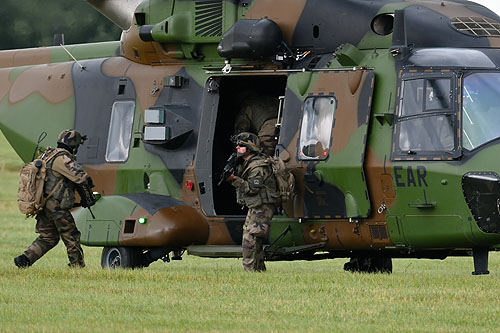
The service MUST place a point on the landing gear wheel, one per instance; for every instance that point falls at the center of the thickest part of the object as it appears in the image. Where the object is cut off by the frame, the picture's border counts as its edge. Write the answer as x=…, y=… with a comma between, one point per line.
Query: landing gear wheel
x=121, y=257
x=369, y=265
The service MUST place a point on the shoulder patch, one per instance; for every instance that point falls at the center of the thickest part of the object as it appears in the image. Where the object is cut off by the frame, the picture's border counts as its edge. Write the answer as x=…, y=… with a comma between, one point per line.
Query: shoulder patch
x=256, y=182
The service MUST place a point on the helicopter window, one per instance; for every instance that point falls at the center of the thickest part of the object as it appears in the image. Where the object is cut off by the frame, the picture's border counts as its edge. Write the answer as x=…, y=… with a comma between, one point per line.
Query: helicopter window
x=316, y=130
x=425, y=95
x=426, y=121
x=120, y=131
x=427, y=134
x=481, y=109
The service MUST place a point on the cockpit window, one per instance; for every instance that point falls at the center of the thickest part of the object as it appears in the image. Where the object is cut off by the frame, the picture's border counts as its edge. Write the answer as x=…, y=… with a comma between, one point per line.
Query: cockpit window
x=481, y=109
x=426, y=119
x=316, y=130
x=421, y=96
x=433, y=133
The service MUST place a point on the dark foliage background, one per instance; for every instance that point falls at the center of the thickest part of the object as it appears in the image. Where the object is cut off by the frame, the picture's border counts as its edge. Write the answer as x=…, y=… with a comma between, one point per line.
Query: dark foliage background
x=33, y=23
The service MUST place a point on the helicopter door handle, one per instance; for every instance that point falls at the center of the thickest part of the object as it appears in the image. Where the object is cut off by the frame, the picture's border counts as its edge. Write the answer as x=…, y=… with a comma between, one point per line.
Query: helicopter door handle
x=423, y=205
x=319, y=176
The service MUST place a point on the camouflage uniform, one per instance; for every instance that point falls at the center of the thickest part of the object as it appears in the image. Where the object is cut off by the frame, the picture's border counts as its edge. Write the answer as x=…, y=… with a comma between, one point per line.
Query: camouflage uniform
x=56, y=221
x=258, y=114
x=255, y=188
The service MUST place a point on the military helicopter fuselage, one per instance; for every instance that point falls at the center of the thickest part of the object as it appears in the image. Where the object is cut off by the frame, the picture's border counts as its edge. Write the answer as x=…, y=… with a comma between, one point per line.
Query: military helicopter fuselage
x=389, y=121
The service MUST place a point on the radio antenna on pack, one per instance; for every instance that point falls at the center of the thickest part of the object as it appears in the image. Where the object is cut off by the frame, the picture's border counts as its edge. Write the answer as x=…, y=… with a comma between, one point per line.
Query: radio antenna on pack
x=42, y=136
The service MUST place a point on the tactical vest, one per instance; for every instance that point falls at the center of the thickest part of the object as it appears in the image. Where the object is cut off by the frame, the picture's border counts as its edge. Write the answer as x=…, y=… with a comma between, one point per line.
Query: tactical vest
x=65, y=193
x=267, y=193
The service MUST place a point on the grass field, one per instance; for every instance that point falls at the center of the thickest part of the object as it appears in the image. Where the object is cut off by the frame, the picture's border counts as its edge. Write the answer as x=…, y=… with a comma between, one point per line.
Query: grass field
x=216, y=295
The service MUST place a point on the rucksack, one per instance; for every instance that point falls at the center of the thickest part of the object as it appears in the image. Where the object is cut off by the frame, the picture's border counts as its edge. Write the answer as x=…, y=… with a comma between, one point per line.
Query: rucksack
x=30, y=198
x=285, y=181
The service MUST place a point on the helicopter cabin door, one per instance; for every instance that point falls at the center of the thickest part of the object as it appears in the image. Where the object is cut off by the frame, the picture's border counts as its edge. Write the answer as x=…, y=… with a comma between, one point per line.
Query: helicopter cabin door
x=323, y=139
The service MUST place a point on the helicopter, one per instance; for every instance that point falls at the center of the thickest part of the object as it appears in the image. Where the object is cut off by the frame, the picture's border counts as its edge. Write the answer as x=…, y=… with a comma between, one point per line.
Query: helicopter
x=389, y=120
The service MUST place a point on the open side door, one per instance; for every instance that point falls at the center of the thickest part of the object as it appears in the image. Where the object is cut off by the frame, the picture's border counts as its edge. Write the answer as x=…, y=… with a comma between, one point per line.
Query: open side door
x=323, y=140
x=203, y=157
x=222, y=100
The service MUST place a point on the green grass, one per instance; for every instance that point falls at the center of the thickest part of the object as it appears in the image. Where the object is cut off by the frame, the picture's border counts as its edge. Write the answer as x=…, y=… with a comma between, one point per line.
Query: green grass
x=198, y=294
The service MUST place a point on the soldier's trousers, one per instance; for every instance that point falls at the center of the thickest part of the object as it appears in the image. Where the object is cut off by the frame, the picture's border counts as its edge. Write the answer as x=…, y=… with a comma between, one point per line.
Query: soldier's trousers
x=255, y=234
x=52, y=225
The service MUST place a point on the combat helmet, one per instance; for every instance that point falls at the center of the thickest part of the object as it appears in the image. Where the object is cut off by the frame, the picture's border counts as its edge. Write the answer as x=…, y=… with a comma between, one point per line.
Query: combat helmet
x=248, y=140
x=71, y=138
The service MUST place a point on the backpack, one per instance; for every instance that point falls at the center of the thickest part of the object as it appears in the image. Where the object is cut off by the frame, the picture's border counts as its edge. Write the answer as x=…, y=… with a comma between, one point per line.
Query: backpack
x=285, y=181
x=30, y=198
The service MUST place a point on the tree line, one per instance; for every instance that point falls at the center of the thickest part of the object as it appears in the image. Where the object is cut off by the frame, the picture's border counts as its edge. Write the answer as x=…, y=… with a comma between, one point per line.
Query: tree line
x=33, y=23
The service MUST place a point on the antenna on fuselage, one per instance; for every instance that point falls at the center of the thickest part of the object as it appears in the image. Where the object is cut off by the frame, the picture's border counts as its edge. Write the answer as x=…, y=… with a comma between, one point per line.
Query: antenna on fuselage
x=79, y=64
x=58, y=39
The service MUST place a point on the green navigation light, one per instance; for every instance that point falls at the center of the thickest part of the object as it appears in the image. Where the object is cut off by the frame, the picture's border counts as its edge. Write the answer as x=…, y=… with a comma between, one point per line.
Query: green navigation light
x=142, y=220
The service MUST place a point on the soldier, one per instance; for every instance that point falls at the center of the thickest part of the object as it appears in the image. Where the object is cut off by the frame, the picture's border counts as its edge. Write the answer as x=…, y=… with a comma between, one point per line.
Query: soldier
x=255, y=188
x=56, y=221
x=258, y=114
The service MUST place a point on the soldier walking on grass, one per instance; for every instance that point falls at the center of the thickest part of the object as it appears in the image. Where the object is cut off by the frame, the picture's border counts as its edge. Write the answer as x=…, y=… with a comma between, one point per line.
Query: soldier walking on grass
x=256, y=189
x=55, y=220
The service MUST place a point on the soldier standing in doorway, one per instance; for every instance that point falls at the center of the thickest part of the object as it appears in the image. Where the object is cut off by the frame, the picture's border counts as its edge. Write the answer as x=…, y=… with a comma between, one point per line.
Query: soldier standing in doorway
x=258, y=114
x=55, y=220
x=256, y=189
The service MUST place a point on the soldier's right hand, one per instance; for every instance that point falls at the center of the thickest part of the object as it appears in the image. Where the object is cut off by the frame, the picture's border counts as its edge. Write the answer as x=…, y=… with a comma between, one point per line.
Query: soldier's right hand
x=90, y=182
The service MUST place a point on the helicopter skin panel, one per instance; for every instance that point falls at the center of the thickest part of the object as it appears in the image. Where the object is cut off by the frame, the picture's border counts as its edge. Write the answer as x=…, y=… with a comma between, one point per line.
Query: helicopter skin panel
x=176, y=226
x=273, y=9
x=121, y=220
x=52, y=82
x=5, y=83
x=31, y=90
x=53, y=54
x=15, y=58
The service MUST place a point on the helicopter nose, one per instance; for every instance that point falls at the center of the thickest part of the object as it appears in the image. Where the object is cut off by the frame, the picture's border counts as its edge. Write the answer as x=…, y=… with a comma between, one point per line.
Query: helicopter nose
x=482, y=194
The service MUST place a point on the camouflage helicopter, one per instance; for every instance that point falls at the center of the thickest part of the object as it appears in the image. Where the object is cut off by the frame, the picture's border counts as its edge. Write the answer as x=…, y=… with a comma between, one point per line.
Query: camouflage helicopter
x=389, y=120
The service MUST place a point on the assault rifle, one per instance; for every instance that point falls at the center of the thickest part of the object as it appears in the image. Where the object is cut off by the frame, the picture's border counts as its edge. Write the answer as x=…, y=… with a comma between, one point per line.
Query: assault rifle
x=88, y=198
x=228, y=168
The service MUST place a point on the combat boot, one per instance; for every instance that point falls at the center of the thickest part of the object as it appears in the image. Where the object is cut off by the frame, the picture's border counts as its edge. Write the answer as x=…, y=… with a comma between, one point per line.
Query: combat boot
x=78, y=264
x=22, y=261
